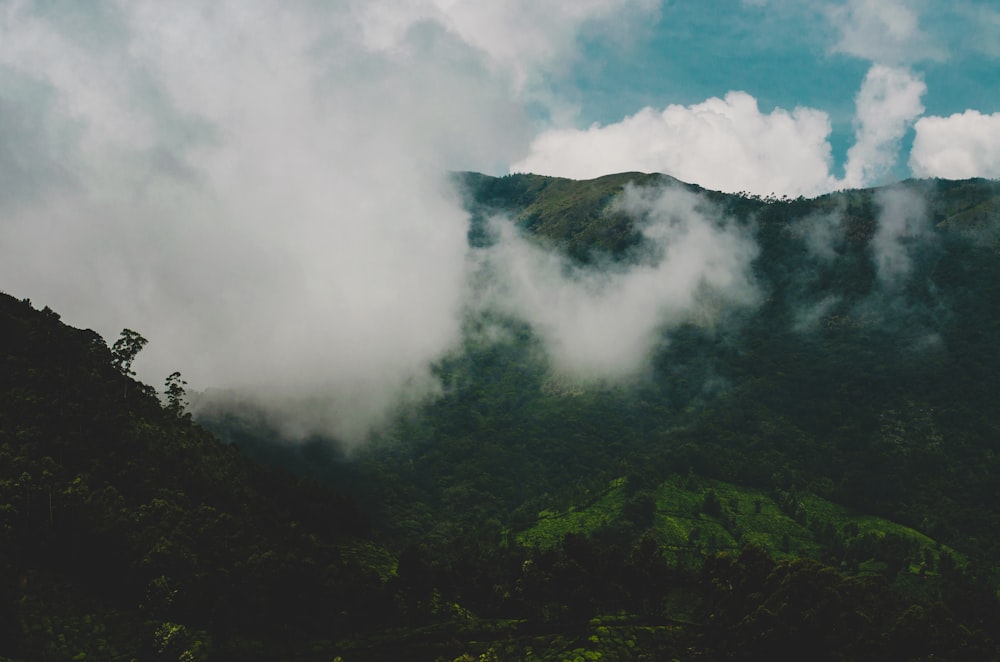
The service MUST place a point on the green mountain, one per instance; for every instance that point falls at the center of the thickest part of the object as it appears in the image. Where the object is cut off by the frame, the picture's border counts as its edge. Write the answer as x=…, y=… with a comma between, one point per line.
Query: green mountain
x=873, y=396
x=809, y=473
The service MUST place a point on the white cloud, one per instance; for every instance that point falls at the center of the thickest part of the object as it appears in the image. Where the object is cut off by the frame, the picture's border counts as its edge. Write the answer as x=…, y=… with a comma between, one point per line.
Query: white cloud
x=526, y=32
x=603, y=324
x=884, y=31
x=723, y=144
x=887, y=104
x=256, y=187
x=729, y=145
x=957, y=147
x=521, y=38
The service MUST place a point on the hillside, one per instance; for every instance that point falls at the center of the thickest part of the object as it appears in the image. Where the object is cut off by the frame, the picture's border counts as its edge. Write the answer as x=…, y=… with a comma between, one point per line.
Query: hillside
x=851, y=401
x=872, y=394
x=804, y=471
x=127, y=531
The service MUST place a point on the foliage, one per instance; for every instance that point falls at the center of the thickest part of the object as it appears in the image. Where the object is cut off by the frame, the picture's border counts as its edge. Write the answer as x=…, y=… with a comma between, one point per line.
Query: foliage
x=125, y=349
x=126, y=531
x=174, y=390
x=778, y=486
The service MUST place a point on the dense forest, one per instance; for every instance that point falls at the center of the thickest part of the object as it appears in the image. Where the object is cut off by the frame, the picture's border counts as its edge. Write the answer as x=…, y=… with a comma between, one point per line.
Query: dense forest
x=809, y=475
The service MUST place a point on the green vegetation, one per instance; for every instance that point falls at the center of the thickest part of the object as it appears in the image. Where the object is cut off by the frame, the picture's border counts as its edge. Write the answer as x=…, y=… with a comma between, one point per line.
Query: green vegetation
x=128, y=532
x=692, y=518
x=771, y=489
x=572, y=215
x=553, y=527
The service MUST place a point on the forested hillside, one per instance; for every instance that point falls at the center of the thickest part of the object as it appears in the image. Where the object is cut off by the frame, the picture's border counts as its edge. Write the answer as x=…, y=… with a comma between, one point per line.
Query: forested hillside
x=871, y=392
x=844, y=416
x=802, y=465
x=127, y=532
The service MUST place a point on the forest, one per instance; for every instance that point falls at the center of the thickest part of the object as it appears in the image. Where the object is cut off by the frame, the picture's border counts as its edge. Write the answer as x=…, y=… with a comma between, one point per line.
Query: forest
x=806, y=469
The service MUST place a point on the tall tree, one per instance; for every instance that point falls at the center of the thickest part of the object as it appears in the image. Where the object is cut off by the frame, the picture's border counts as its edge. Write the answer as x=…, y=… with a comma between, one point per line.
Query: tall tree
x=174, y=386
x=124, y=351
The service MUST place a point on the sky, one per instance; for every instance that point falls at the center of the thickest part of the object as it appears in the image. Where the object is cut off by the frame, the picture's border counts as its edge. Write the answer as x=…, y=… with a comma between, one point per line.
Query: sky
x=258, y=187
x=778, y=96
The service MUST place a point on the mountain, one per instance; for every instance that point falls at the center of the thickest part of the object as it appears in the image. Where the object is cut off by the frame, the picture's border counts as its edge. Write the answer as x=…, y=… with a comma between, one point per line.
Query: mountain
x=799, y=464
x=869, y=388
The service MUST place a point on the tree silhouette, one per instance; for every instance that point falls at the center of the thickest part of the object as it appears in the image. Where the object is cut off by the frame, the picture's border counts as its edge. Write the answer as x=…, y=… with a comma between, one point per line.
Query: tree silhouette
x=174, y=386
x=124, y=351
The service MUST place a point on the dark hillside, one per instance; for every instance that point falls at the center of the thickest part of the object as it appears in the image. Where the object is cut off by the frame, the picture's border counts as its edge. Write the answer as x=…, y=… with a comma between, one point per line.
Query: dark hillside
x=812, y=476
x=126, y=531
x=872, y=392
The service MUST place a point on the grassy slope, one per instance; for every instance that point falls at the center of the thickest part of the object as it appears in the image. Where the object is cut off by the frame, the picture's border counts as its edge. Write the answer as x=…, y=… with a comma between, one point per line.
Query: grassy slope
x=748, y=516
x=573, y=215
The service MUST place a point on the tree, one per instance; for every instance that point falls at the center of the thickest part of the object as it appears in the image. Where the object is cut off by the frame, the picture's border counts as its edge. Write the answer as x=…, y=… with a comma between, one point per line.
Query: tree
x=124, y=351
x=174, y=386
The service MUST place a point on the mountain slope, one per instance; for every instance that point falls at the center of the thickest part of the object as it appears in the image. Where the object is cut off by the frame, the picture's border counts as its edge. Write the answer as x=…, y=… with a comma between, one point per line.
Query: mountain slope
x=850, y=402
x=864, y=373
x=873, y=393
x=127, y=531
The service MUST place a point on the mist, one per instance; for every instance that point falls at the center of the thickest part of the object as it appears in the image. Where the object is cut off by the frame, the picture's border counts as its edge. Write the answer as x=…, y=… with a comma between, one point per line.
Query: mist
x=901, y=295
x=902, y=223
x=603, y=322
x=259, y=188
x=823, y=232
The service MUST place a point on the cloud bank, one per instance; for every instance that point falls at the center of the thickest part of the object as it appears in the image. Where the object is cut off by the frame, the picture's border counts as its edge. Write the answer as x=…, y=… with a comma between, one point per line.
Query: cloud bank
x=729, y=145
x=722, y=144
x=258, y=187
x=960, y=146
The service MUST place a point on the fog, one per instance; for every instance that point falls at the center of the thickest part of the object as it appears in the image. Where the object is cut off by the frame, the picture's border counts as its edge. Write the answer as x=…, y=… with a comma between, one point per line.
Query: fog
x=602, y=323
x=823, y=232
x=902, y=223
x=259, y=188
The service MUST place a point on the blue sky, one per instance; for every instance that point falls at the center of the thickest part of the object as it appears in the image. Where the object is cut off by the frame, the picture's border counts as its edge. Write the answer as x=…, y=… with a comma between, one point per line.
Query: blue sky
x=695, y=51
x=259, y=186
x=788, y=54
x=783, y=56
